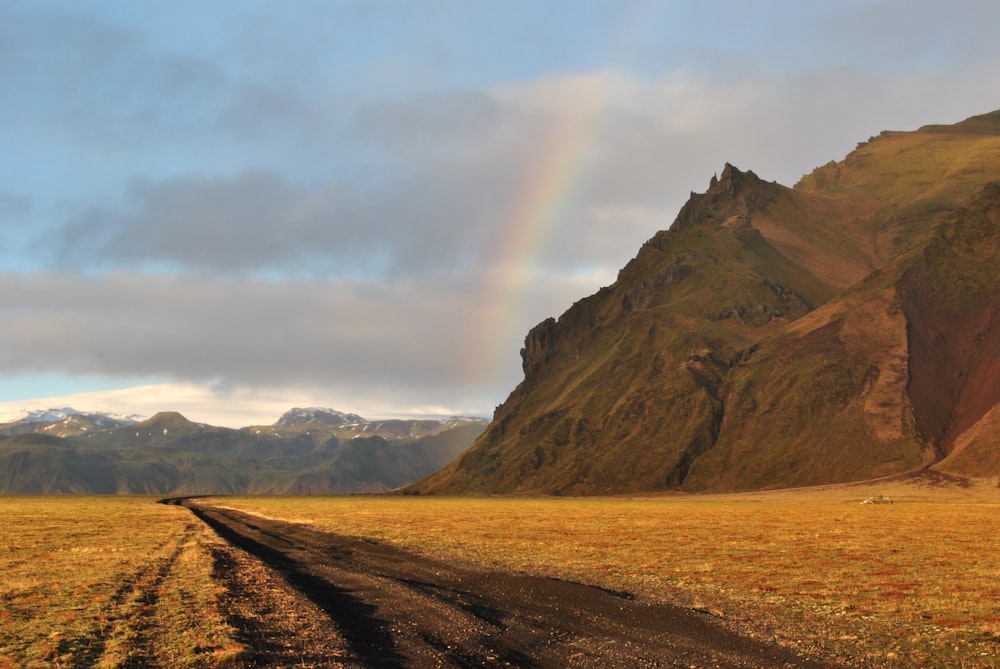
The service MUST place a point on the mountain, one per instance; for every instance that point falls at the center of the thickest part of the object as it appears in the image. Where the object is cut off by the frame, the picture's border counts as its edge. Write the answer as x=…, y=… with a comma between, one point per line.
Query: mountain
x=61, y=422
x=299, y=416
x=843, y=329
x=314, y=451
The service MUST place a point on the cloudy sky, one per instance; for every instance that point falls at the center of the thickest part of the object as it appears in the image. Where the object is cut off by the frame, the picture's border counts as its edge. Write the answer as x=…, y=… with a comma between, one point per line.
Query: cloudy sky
x=232, y=207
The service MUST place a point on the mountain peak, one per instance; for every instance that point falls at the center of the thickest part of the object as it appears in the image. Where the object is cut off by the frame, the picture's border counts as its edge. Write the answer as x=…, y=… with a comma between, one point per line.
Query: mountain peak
x=317, y=416
x=732, y=191
x=166, y=419
x=731, y=181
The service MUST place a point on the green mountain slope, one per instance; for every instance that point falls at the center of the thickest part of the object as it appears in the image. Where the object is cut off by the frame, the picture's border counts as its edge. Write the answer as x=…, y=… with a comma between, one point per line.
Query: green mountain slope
x=773, y=336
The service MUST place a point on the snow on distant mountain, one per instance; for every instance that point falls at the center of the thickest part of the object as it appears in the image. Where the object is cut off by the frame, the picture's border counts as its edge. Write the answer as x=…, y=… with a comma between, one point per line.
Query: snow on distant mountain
x=53, y=415
x=317, y=416
x=458, y=420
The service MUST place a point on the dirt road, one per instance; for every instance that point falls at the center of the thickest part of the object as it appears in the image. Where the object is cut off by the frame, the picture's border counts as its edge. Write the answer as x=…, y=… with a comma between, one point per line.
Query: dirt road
x=373, y=605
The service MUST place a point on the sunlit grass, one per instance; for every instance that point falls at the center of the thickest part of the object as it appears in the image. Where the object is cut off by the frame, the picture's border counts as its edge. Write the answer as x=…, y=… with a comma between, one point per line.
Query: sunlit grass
x=111, y=582
x=914, y=581
x=107, y=582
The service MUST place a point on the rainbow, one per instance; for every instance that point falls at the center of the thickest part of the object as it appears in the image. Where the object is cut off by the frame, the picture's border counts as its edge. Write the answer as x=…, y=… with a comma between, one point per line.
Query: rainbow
x=549, y=183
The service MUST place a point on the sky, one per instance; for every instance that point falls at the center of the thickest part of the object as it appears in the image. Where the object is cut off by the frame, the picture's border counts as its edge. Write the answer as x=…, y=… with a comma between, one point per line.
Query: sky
x=229, y=208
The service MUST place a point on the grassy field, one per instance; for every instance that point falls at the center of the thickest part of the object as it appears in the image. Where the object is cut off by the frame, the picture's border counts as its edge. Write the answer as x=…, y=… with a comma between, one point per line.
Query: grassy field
x=116, y=581
x=107, y=582
x=916, y=583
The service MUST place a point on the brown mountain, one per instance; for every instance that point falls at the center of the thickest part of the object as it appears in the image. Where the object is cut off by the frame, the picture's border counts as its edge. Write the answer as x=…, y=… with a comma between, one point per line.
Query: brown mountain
x=843, y=329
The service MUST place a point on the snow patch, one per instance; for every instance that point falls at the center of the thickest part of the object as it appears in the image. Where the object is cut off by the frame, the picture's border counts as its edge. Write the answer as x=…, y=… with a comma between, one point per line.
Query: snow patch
x=54, y=415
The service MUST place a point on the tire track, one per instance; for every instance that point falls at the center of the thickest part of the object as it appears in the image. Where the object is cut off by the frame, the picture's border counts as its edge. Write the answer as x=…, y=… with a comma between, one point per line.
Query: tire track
x=366, y=635
x=395, y=609
x=277, y=625
x=122, y=638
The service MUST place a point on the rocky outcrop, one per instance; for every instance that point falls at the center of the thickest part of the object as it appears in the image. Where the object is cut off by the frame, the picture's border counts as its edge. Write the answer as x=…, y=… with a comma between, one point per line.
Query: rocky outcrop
x=877, y=499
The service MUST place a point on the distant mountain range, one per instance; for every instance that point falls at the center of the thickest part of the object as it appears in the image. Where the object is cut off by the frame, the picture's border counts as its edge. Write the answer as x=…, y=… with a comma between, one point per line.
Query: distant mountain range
x=61, y=422
x=307, y=451
x=844, y=329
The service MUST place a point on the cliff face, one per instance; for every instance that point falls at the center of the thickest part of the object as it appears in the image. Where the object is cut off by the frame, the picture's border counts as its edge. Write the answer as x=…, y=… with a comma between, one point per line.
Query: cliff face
x=950, y=293
x=773, y=336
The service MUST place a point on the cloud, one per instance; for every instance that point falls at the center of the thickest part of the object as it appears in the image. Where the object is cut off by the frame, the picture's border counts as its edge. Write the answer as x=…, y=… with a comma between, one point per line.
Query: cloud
x=906, y=36
x=460, y=161
x=259, y=222
x=101, y=78
x=228, y=407
x=228, y=168
x=205, y=329
x=407, y=338
x=253, y=220
x=12, y=205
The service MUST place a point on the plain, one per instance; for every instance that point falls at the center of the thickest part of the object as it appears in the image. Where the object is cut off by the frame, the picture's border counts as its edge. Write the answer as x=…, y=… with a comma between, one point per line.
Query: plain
x=105, y=581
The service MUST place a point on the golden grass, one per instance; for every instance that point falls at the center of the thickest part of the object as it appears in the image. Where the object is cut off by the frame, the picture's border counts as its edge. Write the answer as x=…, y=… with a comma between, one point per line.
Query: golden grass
x=911, y=584
x=107, y=582
x=116, y=581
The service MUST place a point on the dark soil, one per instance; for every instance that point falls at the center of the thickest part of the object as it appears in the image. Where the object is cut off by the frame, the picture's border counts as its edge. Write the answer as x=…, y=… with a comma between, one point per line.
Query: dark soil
x=382, y=607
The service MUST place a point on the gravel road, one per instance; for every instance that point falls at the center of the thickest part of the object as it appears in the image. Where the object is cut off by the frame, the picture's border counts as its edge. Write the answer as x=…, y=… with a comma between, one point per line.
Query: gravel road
x=366, y=604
